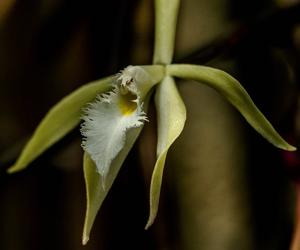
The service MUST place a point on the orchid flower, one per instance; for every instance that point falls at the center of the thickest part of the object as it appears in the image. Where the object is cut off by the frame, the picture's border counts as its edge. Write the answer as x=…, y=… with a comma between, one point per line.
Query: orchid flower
x=112, y=112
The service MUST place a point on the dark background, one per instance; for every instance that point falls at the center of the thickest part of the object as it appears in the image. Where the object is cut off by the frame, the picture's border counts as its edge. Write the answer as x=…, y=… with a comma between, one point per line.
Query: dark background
x=49, y=48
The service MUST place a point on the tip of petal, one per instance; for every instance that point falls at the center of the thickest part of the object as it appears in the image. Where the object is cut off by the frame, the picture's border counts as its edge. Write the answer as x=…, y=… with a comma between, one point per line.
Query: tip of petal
x=150, y=221
x=147, y=226
x=289, y=148
x=85, y=239
x=13, y=169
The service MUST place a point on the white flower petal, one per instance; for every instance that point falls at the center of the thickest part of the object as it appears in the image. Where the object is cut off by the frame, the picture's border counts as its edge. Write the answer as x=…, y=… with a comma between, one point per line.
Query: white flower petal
x=106, y=122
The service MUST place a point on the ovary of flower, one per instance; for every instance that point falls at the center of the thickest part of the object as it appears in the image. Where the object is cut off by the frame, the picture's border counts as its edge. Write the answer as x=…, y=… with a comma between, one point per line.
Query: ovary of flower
x=107, y=120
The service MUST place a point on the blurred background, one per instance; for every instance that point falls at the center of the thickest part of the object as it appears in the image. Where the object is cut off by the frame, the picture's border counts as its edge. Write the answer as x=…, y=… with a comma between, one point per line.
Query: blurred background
x=224, y=188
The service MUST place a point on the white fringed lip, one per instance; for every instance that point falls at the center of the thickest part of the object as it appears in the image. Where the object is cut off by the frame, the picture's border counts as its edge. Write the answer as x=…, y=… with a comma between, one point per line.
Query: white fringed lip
x=107, y=120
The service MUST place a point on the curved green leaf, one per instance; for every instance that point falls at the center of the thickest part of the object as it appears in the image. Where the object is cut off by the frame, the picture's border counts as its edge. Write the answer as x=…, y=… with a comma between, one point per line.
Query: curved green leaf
x=61, y=118
x=233, y=91
x=171, y=116
x=165, y=28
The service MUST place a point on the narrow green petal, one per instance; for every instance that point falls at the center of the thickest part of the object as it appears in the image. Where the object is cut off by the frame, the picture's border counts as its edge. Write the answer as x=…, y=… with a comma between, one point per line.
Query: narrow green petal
x=61, y=118
x=93, y=181
x=171, y=116
x=233, y=91
x=166, y=12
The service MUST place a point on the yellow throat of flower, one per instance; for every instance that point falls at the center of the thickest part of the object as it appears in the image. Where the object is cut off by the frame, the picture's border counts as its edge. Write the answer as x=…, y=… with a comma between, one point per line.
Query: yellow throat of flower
x=127, y=103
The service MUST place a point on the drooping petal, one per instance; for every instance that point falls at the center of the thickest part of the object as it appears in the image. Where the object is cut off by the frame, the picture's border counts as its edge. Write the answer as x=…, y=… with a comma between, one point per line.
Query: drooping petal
x=111, y=126
x=171, y=116
x=107, y=120
x=106, y=123
x=233, y=91
x=61, y=119
x=94, y=181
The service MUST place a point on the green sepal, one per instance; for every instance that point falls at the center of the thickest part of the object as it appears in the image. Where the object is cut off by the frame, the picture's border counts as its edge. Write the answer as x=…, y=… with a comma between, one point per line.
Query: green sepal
x=166, y=12
x=171, y=116
x=233, y=91
x=60, y=119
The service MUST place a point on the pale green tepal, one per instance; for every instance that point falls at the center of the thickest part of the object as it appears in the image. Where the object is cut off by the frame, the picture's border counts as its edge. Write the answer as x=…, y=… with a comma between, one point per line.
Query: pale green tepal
x=113, y=111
